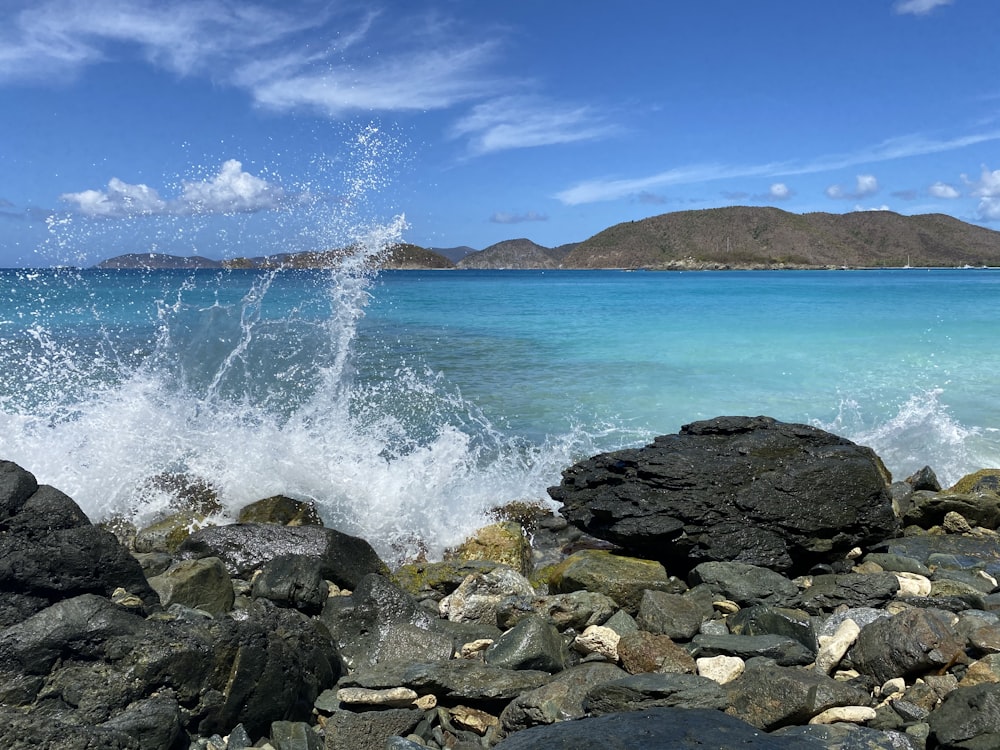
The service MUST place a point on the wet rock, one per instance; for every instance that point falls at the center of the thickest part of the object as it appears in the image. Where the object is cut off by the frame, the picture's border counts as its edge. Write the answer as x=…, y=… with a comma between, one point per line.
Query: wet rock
x=641, y=651
x=924, y=479
x=534, y=643
x=833, y=647
x=369, y=730
x=202, y=584
x=155, y=723
x=979, y=482
x=747, y=585
x=281, y=510
x=577, y=610
x=435, y=580
x=968, y=718
x=847, y=737
x=624, y=579
x=768, y=696
x=561, y=699
x=293, y=581
x=907, y=645
x=344, y=559
x=898, y=563
x=407, y=642
x=169, y=532
x=504, y=543
x=753, y=490
x=457, y=679
x=50, y=551
x=675, y=728
x=929, y=509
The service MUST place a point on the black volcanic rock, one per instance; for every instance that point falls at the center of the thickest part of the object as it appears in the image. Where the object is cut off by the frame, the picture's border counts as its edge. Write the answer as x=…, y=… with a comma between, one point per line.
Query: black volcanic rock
x=743, y=489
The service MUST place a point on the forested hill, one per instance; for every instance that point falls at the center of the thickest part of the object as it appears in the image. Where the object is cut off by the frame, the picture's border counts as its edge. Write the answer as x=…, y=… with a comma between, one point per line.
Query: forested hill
x=734, y=237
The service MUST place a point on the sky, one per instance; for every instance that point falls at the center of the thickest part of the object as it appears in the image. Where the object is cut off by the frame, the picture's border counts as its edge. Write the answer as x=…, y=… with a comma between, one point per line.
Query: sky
x=231, y=128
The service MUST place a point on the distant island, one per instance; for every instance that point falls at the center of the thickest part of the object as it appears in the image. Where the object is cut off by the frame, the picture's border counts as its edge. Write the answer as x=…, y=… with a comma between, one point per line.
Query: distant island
x=737, y=237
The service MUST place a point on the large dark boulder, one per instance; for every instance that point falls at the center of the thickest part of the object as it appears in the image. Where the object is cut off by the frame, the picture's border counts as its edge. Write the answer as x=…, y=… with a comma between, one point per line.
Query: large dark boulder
x=744, y=489
x=50, y=551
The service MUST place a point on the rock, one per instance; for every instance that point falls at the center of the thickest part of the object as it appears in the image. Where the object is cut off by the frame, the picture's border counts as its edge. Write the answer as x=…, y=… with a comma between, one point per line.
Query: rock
x=167, y=533
x=979, y=482
x=295, y=735
x=828, y=592
x=534, y=643
x=647, y=652
x=841, y=736
x=721, y=669
x=360, y=622
x=49, y=551
x=435, y=580
x=457, y=680
x=678, y=616
x=624, y=579
x=280, y=510
x=832, y=648
x=404, y=641
x=398, y=697
x=747, y=585
x=154, y=723
x=924, y=479
x=898, y=563
x=503, y=543
x=852, y=714
x=982, y=671
x=784, y=651
x=577, y=610
x=293, y=581
x=764, y=620
x=907, y=645
x=345, y=559
x=479, y=596
x=674, y=728
x=911, y=584
x=202, y=584
x=598, y=639
x=753, y=490
x=651, y=690
x=969, y=717
x=561, y=699
x=369, y=730
x=768, y=696
x=929, y=509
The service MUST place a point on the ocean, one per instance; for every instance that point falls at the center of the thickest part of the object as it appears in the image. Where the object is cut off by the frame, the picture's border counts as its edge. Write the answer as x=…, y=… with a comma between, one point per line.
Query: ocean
x=407, y=404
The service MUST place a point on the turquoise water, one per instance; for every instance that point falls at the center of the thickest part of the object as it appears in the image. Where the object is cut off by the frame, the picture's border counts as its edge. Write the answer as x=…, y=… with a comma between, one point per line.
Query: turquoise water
x=407, y=403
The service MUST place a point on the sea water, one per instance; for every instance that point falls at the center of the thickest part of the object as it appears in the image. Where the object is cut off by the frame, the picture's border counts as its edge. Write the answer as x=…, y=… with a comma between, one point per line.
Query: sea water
x=407, y=404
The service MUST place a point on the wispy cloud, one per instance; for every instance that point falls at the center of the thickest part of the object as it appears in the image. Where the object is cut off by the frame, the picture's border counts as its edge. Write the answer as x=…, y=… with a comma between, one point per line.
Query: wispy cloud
x=309, y=58
x=592, y=191
x=503, y=217
x=866, y=185
x=522, y=122
x=919, y=7
x=230, y=191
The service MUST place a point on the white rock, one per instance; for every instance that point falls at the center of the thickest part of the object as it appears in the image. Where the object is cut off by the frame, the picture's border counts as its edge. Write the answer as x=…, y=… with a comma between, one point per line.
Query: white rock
x=852, y=714
x=397, y=696
x=597, y=639
x=913, y=584
x=722, y=669
x=833, y=648
x=893, y=686
x=477, y=597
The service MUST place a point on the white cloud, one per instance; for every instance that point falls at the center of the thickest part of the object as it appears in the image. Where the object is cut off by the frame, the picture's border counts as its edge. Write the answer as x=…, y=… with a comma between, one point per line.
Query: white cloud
x=503, y=217
x=230, y=191
x=987, y=189
x=523, y=122
x=866, y=185
x=605, y=189
x=919, y=7
x=779, y=191
x=883, y=207
x=942, y=190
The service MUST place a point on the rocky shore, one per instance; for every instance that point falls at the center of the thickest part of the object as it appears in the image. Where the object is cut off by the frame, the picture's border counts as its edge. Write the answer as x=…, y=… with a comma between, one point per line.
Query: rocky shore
x=744, y=583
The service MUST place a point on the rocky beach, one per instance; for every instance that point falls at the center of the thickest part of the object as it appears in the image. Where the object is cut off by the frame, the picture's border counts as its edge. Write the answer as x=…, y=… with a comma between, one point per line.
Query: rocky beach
x=742, y=583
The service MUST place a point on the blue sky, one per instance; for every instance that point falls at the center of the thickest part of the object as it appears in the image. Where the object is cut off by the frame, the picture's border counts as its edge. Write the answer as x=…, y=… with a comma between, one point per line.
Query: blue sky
x=227, y=128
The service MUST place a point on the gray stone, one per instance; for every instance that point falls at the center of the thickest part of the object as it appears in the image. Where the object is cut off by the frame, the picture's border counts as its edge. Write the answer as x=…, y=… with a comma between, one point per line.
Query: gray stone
x=560, y=699
x=294, y=735
x=898, y=563
x=293, y=581
x=678, y=616
x=244, y=548
x=770, y=696
x=407, y=642
x=653, y=690
x=534, y=643
x=742, y=489
x=577, y=609
x=782, y=649
x=969, y=717
x=907, y=645
x=457, y=679
x=762, y=620
x=847, y=737
x=202, y=584
x=624, y=579
x=642, y=651
x=747, y=585
x=930, y=508
x=369, y=730
x=654, y=729
x=848, y=589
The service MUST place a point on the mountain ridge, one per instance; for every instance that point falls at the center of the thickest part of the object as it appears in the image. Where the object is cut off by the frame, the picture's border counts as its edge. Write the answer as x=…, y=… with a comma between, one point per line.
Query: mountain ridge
x=735, y=237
